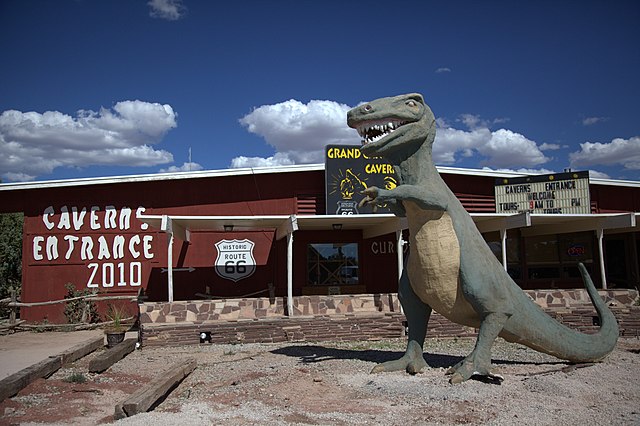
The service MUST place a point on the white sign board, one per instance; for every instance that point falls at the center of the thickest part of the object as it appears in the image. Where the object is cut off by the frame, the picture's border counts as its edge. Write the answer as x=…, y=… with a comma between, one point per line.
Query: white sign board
x=562, y=193
x=235, y=259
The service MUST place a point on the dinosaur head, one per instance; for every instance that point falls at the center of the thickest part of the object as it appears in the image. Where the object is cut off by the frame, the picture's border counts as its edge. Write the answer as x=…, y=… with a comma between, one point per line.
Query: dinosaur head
x=390, y=124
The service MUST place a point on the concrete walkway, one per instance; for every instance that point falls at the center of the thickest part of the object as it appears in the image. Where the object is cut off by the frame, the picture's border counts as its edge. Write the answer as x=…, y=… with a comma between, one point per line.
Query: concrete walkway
x=21, y=350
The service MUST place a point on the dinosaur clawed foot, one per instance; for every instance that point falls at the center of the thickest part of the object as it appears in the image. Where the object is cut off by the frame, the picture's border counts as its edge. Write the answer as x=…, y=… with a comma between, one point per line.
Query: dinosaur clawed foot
x=470, y=368
x=412, y=361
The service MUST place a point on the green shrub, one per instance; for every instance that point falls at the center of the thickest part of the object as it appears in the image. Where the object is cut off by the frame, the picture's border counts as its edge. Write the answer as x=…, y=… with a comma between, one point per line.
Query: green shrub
x=76, y=377
x=74, y=309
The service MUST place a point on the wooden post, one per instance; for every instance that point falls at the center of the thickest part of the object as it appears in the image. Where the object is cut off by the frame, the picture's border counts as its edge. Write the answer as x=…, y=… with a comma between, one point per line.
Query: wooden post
x=149, y=394
x=109, y=357
x=85, y=312
x=14, y=308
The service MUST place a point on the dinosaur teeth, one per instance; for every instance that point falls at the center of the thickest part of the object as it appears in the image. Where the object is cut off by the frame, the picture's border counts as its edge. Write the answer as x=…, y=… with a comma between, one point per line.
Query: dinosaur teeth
x=373, y=131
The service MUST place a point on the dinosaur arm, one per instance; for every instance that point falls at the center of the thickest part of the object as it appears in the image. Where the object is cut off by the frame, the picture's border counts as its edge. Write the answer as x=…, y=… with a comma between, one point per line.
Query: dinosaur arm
x=420, y=195
x=397, y=208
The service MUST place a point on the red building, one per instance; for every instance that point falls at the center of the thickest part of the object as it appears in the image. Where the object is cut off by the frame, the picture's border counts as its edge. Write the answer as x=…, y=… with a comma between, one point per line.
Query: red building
x=264, y=233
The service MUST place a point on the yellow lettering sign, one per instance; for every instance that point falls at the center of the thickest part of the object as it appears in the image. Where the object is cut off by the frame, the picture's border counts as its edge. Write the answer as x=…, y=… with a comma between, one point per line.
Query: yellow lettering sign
x=343, y=153
x=379, y=168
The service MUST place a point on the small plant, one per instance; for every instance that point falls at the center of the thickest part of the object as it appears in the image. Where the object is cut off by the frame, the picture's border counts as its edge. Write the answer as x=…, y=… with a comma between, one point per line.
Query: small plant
x=76, y=377
x=79, y=309
x=116, y=315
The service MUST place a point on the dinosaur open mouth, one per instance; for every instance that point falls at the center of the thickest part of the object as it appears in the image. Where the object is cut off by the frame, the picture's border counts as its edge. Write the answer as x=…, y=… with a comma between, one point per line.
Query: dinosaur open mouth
x=373, y=131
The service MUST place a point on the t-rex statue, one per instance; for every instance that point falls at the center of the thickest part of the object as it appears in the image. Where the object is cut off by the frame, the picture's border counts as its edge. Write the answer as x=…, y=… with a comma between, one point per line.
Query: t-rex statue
x=451, y=268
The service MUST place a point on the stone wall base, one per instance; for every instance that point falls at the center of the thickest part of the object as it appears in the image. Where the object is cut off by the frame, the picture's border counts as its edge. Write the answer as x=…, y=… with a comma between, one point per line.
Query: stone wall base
x=354, y=327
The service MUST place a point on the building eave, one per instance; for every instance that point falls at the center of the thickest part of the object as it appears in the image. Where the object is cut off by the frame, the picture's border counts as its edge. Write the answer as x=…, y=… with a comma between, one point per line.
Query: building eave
x=153, y=177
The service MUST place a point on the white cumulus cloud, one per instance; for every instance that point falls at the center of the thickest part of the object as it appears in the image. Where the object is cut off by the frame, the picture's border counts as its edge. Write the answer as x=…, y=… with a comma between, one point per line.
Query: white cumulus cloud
x=279, y=159
x=34, y=144
x=589, y=121
x=507, y=148
x=171, y=10
x=598, y=175
x=625, y=152
x=500, y=148
x=297, y=131
x=550, y=146
x=186, y=167
x=524, y=170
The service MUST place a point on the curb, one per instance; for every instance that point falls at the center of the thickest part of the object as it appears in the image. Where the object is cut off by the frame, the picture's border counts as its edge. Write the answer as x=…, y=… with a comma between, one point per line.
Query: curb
x=11, y=385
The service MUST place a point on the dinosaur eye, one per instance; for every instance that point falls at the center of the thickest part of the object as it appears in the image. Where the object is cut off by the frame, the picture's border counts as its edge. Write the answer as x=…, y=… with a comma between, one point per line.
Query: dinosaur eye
x=411, y=103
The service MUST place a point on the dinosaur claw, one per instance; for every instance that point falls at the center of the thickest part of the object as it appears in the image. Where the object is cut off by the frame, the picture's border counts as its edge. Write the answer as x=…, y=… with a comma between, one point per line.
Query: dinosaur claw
x=377, y=369
x=456, y=379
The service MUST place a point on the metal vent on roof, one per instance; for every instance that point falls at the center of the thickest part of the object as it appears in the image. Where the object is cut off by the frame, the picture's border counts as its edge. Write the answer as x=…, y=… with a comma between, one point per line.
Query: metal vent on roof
x=310, y=204
x=475, y=203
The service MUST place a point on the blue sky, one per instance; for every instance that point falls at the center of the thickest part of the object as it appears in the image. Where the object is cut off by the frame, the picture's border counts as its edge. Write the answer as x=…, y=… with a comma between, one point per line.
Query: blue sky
x=100, y=88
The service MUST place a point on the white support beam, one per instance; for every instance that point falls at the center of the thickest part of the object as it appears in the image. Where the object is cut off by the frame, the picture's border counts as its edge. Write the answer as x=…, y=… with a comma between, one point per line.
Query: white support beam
x=503, y=240
x=166, y=226
x=400, y=253
x=578, y=225
x=287, y=227
x=181, y=232
x=175, y=227
x=400, y=242
x=621, y=221
x=520, y=220
x=388, y=227
x=583, y=223
x=603, y=272
x=290, y=274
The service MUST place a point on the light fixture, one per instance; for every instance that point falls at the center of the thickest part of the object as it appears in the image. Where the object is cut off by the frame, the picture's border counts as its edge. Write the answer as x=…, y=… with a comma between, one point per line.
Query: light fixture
x=228, y=228
x=337, y=226
x=205, y=337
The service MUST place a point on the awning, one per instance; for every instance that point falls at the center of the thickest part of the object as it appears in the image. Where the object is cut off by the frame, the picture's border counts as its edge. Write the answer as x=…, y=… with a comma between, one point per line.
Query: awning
x=374, y=225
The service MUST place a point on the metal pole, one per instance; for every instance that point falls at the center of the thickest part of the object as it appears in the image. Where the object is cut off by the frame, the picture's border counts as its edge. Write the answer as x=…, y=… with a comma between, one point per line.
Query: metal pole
x=290, y=273
x=503, y=237
x=170, y=266
x=603, y=274
x=400, y=252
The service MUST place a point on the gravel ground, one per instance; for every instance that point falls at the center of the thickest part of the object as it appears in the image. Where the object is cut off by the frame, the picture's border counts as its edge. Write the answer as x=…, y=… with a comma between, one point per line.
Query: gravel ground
x=329, y=384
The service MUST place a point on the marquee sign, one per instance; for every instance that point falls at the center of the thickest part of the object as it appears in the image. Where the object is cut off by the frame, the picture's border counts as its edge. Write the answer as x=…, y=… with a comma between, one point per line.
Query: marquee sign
x=348, y=172
x=562, y=193
x=235, y=259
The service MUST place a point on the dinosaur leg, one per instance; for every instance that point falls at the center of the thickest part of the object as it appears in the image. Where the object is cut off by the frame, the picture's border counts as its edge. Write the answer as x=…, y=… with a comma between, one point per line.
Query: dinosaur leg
x=417, y=314
x=478, y=362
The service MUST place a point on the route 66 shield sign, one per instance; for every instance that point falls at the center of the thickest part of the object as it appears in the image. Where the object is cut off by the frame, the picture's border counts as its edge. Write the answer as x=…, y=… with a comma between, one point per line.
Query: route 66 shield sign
x=235, y=259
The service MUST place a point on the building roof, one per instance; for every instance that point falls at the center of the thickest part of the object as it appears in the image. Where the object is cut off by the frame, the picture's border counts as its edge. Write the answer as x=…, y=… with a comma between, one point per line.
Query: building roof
x=17, y=186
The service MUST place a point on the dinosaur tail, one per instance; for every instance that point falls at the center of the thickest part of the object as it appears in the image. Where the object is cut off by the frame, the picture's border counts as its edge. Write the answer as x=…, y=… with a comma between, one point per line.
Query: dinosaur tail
x=542, y=333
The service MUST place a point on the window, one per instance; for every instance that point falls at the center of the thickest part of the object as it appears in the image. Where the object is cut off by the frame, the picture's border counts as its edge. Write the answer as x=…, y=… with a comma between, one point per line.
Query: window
x=557, y=256
x=332, y=264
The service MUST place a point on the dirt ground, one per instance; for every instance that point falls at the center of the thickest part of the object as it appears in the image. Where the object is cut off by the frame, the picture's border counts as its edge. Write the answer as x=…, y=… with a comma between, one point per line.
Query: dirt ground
x=329, y=384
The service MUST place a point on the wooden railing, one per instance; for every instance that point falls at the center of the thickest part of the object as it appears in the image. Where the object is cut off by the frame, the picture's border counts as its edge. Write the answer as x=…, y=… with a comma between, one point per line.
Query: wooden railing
x=13, y=304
